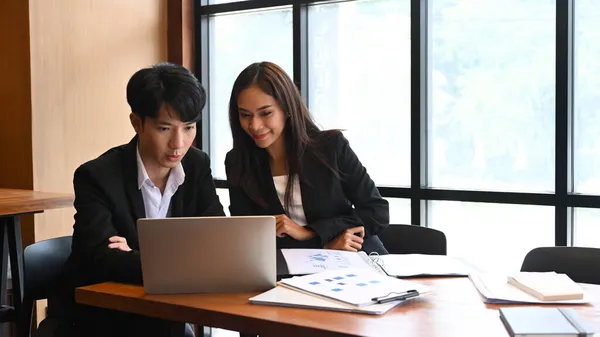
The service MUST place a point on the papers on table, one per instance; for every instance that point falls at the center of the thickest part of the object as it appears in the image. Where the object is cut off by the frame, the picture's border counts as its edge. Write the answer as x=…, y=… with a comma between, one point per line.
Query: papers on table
x=358, y=287
x=409, y=265
x=310, y=261
x=495, y=289
x=357, y=290
x=286, y=297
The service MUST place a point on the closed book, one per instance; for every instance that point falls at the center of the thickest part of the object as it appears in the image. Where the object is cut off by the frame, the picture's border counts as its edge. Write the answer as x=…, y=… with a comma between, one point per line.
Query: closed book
x=544, y=322
x=548, y=286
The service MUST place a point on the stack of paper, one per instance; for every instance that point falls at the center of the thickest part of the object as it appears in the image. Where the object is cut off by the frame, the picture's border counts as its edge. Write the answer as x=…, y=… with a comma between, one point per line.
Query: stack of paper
x=286, y=297
x=495, y=289
x=353, y=289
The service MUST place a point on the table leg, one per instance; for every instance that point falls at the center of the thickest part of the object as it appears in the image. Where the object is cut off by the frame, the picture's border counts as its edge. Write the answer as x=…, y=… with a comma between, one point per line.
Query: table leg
x=3, y=271
x=15, y=249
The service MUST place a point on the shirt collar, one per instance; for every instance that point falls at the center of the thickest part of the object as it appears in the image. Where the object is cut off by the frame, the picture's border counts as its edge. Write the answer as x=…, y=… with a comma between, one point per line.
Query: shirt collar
x=176, y=176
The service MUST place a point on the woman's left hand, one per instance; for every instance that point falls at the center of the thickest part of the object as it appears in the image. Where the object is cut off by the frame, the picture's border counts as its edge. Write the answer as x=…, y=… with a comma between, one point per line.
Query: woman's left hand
x=285, y=226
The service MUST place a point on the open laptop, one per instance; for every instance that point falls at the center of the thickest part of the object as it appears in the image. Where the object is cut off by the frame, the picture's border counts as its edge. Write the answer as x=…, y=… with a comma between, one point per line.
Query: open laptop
x=208, y=254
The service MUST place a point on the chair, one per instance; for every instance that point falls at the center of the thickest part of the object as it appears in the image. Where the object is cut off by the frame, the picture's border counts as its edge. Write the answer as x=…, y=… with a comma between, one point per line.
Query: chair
x=42, y=266
x=581, y=264
x=411, y=239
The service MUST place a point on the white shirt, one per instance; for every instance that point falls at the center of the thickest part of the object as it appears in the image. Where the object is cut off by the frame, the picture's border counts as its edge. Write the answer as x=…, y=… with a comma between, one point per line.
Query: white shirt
x=155, y=203
x=295, y=209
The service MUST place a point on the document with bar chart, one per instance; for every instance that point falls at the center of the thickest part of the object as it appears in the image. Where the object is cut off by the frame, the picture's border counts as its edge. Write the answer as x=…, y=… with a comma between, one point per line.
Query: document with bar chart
x=311, y=261
x=353, y=286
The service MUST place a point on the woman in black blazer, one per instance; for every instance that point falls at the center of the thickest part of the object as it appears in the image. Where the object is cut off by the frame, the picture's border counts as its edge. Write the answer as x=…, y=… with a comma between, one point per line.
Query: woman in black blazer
x=330, y=201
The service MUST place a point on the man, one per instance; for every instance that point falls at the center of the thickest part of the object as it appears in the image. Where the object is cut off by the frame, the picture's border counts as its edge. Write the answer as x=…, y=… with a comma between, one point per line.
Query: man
x=157, y=174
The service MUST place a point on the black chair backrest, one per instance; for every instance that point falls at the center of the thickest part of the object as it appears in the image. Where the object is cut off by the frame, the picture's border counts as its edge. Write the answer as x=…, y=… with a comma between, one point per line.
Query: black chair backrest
x=42, y=265
x=411, y=239
x=581, y=264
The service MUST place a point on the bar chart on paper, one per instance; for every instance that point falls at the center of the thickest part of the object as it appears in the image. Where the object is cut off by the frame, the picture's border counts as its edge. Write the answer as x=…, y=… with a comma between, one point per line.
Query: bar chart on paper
x=311, y=261
x=353, y=286
x=324, y=260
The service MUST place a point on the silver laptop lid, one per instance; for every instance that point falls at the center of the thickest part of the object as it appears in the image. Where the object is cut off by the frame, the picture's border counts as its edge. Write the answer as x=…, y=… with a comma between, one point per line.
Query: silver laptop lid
x=208, y=254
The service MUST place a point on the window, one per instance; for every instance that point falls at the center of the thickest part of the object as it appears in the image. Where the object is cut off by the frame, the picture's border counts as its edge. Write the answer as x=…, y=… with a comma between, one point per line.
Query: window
x=399, y=211
x=587, y=98
x=362, y=84
x=587, y=227
x=488, y=99
x=492, y=74
x=215, y=2
x=236, y=41
x=492, y=236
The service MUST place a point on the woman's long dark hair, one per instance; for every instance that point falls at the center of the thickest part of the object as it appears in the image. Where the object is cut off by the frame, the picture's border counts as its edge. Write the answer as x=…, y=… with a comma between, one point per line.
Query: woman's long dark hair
x=301, y=132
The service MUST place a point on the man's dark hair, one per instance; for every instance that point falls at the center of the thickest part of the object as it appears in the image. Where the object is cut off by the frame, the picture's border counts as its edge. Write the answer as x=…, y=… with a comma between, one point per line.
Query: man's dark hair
x=166, y=84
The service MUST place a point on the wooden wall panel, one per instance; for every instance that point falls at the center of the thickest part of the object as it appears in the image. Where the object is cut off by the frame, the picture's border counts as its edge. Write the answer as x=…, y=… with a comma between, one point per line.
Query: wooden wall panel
x=15, y=112
x=180, y=32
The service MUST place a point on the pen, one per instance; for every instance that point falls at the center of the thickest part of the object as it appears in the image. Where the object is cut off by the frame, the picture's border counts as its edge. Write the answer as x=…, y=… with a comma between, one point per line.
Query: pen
x=404, y=296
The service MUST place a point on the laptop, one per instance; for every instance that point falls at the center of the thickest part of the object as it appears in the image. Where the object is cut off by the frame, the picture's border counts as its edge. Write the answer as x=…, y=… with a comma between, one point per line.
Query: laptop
x=208, y=254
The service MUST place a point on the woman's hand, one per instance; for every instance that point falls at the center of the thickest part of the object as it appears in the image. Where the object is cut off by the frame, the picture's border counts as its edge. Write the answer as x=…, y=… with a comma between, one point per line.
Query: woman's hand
x=119, y=242
x=351, y=240
x=285, y=226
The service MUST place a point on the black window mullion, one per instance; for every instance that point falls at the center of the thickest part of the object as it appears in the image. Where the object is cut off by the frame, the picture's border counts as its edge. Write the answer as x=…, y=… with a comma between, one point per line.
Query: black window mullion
x=564, y=116
x=418, y=109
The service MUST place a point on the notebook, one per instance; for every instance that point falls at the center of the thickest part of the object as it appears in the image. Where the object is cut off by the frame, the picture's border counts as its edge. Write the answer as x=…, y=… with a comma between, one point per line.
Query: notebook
x=354, y=286
x=548, y=286
x=541, y=322
x=494, y=289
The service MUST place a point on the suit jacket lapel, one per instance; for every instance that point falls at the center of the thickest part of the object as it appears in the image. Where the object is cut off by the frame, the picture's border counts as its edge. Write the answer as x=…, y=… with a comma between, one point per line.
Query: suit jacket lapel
x=130, y=177
x=268, y=186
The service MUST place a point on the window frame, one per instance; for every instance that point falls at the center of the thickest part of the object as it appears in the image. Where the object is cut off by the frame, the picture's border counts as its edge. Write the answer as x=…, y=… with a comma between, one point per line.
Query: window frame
x=563, y=199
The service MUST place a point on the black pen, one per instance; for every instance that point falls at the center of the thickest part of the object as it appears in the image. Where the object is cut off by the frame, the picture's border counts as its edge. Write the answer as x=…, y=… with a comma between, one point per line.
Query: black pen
x=402, y=297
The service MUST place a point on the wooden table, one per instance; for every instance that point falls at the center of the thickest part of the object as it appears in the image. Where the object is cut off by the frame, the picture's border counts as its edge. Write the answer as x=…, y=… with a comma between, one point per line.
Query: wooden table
x=454, y=308
x=13, y=204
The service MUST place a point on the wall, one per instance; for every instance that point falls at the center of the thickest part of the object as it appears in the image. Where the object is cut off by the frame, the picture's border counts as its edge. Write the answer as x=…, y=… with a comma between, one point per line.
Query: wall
x=82, y=55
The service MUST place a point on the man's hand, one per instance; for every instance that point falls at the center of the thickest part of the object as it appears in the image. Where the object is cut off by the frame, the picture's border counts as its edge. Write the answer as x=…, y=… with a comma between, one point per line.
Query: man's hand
x=285, y=226
x=118, y=242
x=348, y=240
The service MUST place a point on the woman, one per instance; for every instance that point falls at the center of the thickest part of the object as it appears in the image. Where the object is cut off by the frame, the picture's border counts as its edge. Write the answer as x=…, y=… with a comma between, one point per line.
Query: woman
x=330, y=201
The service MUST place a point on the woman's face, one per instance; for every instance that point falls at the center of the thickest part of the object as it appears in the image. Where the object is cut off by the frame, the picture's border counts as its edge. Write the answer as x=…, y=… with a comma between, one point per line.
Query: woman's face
x=261, y=117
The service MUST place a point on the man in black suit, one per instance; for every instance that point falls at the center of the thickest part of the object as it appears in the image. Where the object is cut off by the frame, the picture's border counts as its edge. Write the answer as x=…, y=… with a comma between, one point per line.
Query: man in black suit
x=157, y=174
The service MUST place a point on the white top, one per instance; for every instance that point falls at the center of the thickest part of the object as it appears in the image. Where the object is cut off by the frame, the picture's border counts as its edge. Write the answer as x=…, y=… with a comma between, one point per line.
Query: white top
x=295, y=209
x=155, y=203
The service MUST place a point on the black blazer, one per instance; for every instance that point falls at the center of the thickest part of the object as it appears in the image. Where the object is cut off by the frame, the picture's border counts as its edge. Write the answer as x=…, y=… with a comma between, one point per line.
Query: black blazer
x=331, y=205
x=108, y=202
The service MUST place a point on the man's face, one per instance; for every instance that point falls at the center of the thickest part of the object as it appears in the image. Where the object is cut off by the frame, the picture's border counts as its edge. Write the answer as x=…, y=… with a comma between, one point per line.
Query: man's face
x=164, y=140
